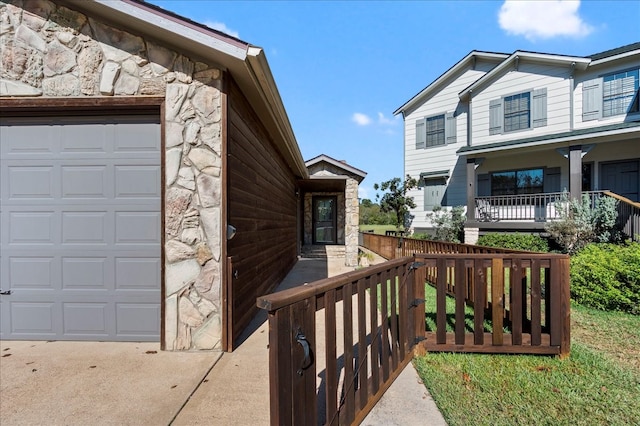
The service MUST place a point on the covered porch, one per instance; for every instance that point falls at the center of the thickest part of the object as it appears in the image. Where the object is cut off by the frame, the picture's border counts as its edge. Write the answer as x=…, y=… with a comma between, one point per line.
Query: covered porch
x=519, y=186
x=329, y=209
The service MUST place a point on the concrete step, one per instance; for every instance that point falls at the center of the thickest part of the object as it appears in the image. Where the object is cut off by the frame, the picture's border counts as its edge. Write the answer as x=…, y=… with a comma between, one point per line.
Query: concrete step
x=323, y=252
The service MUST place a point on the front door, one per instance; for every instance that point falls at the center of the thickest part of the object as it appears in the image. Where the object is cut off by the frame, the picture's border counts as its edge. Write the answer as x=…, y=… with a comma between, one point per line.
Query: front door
x=324, y=220
x=622, y=178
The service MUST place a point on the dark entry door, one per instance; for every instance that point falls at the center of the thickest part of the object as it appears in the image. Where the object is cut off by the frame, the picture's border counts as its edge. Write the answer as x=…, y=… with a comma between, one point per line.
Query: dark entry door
x=324, y=220
x=622, y=178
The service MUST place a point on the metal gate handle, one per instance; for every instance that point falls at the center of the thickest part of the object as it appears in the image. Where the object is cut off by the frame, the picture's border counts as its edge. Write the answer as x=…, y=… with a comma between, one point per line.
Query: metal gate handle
x=5, y=293
x=302, y=340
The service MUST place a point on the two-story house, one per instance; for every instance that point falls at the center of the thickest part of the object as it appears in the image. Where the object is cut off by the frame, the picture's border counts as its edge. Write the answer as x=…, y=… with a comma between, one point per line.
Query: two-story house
x=505, y=134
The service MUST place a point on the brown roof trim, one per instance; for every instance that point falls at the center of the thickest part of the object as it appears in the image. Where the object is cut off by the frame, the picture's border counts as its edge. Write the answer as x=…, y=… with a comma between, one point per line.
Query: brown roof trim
x=87, y=105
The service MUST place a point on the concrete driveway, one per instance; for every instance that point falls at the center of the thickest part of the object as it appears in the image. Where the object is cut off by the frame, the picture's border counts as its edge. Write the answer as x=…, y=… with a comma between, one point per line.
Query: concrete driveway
x=106, y=383
x=93, y=383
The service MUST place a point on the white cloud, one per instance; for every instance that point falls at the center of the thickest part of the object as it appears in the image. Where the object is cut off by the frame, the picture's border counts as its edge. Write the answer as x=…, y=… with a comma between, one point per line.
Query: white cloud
x=361, y=119
x=221, y=26
x=543, y=19
x=386, y=121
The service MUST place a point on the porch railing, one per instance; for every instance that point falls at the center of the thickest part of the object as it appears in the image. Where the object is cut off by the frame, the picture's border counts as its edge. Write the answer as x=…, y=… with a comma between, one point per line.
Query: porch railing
x=546, y=206
x=628, y=216
x=337, y=344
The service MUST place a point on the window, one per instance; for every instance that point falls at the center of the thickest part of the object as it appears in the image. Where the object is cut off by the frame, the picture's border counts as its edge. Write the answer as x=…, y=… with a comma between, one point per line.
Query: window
x=618, y=92
x=520, y=111
x=611, y=95
x=436, y=130
x=516, y=112
x=516, y=182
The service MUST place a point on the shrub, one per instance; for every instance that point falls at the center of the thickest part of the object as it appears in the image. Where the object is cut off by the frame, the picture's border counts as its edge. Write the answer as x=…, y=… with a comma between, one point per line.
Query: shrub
x=449, y=224
x=607, y=277
x=581, y=224
x=514, y=242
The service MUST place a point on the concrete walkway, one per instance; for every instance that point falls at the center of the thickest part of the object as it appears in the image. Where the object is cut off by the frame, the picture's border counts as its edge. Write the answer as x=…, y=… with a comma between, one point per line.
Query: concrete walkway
x=100, y=383
x=244, y=375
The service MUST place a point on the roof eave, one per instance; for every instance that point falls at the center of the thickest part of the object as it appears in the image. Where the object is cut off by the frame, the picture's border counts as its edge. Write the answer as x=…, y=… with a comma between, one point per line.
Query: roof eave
x=336, y=163
x=258, y=67
x=578, y=62
x=447, y=74
x=245, y=63
x=615, y=57
x=618, y=132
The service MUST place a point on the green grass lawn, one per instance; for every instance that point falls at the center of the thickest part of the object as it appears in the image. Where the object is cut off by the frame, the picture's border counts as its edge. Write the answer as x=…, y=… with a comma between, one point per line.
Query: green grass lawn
x=599, y=384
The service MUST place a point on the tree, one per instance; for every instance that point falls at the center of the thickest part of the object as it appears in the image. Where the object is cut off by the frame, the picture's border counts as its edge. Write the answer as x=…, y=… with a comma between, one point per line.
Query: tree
x=395, y=197
x=370, y=214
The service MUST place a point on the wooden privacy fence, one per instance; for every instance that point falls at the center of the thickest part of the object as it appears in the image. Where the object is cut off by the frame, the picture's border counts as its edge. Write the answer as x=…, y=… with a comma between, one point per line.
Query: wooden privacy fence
x=337, y=344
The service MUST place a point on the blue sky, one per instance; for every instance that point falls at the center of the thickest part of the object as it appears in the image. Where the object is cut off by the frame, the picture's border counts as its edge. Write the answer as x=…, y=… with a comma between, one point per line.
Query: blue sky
x=343, y=67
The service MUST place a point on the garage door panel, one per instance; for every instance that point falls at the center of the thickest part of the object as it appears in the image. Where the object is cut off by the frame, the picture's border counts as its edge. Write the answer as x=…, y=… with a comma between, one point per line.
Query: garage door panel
x=80, y=228
x=137, y=181
x=33, y=318
x=32, y=227
x=137, y=228
x=87, y=140
x=32, y=272
x=89, y=273
x=84, y=182
x=84, y=228
x=31, y=182
x=85, y=319
x=137, y=273
x=131, y=137
x=133, y=319
x=29, y=141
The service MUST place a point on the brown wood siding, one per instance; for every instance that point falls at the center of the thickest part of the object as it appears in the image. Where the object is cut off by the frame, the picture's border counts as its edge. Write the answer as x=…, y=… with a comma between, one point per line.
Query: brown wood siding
x=262, y=206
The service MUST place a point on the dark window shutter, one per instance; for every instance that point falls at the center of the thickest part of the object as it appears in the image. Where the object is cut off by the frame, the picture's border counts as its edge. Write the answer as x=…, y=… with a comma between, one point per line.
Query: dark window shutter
x=421, y=133
x=484, y=185
x=450, y=128
x=592, y=99
x=539, y=108
x=496, y=117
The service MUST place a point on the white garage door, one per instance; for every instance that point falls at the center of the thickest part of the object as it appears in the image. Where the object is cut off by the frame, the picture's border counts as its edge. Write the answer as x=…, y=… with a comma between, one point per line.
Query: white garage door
x=80, y=228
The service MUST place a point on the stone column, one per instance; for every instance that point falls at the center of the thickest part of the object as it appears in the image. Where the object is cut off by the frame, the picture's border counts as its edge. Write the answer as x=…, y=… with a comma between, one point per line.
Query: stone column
x=352, y=216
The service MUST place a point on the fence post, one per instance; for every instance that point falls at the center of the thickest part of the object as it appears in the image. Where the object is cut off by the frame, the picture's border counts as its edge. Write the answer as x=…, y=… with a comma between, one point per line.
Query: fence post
x=561, y=305
x=292, y=367
x=419, y=325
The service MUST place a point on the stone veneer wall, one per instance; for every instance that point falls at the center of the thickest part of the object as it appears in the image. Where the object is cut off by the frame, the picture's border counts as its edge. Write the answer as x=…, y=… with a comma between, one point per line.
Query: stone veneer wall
x=352, y=220
x=348, y=212
x=51, y=51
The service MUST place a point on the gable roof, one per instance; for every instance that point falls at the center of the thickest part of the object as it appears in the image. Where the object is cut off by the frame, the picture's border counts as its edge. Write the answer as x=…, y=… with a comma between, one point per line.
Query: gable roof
x=247, y=64
x=618, y=51
x=514, y=59
x=468, y=60
x=336, y=163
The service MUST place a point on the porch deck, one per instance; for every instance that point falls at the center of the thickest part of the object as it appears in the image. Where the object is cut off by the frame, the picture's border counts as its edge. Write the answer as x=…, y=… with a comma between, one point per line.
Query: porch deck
x=532, y=211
